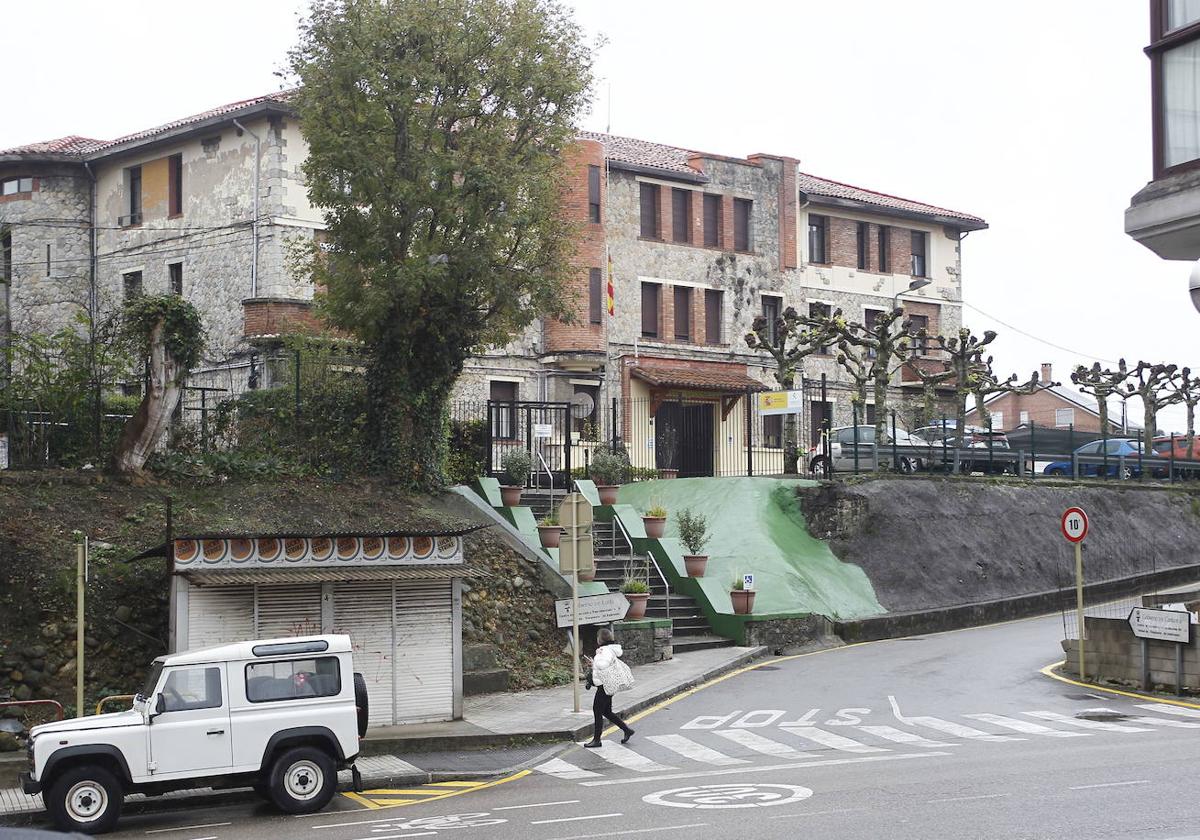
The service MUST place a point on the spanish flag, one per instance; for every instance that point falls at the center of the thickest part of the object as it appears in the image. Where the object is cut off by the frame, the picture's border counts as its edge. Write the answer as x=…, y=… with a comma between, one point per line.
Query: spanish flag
x=611, y=309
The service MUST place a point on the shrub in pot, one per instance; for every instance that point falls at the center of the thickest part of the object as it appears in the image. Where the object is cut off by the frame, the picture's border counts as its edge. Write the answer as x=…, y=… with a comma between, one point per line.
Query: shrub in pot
x=693, y=533
x=636, y=593
x=609, y=469
x=742, y=598
x=550, y=532
x=655, y=521
x=516, y=464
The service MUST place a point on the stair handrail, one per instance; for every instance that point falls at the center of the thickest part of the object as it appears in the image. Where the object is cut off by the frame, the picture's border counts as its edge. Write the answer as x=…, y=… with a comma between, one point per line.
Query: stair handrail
x=624, y=533
x=549, y=476
x=663, y=578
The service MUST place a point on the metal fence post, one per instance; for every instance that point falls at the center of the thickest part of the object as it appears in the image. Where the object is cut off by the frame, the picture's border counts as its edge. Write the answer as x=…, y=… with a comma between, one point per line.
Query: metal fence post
x=895, y=457
x=203, y=421
x=1032, y=452
x=749, y=434
x=826, y=449
x=1071, y=446
x=1104, y=450
x=1141, y=456
x=1171, y=466
x=491, y=447
x=613, y=420
x=855, y=438
x=944, y=436
x=296, y=415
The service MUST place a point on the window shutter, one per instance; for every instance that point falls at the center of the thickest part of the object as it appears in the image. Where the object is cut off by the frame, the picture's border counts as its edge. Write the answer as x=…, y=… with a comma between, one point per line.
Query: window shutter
x=712, y=316
x=683, y=313
x=650, y=310
x=595, y=308
x=712, y=220
x=681, y=215
x=649, y=200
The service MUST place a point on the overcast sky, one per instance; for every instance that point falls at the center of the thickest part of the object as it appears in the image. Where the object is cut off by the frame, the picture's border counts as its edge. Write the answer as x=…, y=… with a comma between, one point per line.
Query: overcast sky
x=1031, y=114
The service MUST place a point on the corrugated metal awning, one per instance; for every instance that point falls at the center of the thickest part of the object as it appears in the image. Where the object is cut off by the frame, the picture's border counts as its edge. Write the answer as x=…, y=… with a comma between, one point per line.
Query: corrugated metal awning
x=226, y=577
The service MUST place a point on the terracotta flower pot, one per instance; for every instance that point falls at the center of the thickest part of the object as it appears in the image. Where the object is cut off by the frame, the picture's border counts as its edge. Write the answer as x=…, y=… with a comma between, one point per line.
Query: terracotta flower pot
x=656, y=526
x=550, y=535
x=743, y=601
x=511, y=496
x=668, y=473
x=587, y=576
x=608, y=493
x=695, y=564
x=637, y=605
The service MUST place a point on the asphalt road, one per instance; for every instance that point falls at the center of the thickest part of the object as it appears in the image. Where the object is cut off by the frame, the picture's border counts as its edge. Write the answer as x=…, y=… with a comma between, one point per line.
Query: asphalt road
x=956, y=734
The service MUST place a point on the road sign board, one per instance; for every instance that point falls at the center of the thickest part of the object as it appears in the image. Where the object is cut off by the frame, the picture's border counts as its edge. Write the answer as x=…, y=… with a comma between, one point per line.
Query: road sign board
x=1074, y=524
x=572, y=552
x=780, y=402
x=543, y=430
x=593, y=609
x=1165, y=625
x=748, y=582
x=575, y=510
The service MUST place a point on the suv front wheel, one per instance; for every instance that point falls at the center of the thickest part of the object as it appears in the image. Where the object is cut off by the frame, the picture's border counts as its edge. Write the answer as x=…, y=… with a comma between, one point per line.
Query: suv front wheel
x=86, y=799
x=302, y=780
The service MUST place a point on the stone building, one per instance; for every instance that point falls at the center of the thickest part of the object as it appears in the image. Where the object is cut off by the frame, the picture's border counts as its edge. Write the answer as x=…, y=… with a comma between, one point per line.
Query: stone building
x=694, y=245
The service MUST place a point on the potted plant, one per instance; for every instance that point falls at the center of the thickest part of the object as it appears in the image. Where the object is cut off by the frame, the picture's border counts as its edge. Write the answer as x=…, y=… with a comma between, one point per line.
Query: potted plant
x=742, y=598
x=655, y=521
x=516, y=464
x=636, y=593
x=549, y=531
x=609, y=469
x=693, y=533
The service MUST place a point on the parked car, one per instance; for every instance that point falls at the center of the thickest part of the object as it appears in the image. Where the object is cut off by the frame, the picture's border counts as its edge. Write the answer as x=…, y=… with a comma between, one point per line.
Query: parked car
x=1187, y=456
x=1115, y=448
x=279, y=715
x=841, y=450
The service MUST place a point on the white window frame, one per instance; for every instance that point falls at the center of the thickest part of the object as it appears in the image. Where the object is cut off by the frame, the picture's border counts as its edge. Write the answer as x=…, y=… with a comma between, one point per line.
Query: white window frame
x=997, y=419
x=1058, y=415
x=1024, y=415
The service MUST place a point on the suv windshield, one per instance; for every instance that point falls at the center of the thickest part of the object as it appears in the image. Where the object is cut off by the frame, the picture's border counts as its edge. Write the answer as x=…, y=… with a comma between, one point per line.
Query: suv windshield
x=152, y=678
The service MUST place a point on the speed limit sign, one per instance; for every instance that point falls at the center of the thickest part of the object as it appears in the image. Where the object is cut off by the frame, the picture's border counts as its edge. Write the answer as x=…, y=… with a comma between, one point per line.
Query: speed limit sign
x=1074, y=524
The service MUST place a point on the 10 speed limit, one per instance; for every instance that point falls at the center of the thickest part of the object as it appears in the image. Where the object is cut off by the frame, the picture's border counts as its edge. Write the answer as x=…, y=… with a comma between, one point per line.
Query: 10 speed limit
x=1075, y=524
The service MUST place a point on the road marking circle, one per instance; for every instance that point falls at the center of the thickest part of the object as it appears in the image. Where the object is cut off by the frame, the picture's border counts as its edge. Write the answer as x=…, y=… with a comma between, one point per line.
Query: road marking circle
x=707, y=797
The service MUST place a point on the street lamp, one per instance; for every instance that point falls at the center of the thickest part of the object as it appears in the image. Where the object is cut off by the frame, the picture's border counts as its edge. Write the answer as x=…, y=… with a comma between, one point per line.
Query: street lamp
x=922, y=282
x=1194, y=285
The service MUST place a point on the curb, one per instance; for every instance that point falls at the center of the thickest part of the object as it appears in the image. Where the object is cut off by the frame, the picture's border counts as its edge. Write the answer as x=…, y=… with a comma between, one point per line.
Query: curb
x=1051, y=671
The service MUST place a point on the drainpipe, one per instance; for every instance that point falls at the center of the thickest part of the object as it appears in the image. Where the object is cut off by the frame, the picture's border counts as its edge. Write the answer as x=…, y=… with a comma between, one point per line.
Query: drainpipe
x=257, y=180
x=93, y=314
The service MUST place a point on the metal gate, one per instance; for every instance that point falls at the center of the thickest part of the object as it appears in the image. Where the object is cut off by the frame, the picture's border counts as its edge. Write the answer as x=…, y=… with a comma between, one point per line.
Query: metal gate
x=543, y=429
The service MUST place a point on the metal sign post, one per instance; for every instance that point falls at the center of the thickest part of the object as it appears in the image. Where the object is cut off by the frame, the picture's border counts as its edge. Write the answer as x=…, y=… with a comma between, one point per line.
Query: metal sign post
x=1075, y=528
x=575, y=517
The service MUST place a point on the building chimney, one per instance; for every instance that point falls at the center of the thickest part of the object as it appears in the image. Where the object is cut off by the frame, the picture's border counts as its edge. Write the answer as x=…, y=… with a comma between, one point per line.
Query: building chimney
x=1045, y=377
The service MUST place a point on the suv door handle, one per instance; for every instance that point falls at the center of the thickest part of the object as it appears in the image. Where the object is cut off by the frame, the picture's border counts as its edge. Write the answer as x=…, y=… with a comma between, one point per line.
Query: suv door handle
x=216, y=732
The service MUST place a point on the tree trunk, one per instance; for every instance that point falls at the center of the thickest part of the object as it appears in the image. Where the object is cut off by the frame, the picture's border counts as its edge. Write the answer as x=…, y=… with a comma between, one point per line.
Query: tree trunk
x=1150, y=418
x=881, y=419
x=1102, y=408
x=407, y=417
x=1191, y=429
x=791, y=428
x=145, y=428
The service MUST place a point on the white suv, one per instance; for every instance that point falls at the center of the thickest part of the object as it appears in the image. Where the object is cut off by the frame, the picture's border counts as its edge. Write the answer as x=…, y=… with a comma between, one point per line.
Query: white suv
x=280, y=715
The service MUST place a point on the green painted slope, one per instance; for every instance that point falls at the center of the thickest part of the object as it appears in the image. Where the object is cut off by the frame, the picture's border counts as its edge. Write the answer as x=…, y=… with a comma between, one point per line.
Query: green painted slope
x=756, y=526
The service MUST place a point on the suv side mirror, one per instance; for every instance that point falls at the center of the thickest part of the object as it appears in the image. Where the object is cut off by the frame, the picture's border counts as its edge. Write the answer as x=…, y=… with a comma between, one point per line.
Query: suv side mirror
x=160, y=705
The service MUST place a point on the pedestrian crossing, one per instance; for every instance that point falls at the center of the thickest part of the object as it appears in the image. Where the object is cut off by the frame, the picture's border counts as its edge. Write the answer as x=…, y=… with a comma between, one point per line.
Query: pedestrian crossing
x=743, y=747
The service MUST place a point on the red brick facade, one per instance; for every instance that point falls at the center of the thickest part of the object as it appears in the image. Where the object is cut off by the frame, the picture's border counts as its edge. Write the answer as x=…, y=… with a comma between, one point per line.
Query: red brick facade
x=584, y=335
x=1042, y=409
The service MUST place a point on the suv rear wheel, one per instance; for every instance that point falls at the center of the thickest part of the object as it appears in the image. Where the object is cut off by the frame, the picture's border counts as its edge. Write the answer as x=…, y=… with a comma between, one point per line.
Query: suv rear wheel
x=86, y=799
x=302, y=780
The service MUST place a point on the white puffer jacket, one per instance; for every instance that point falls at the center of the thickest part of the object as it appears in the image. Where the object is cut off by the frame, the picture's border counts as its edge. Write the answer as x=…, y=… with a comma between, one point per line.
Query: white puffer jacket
x=602, y=665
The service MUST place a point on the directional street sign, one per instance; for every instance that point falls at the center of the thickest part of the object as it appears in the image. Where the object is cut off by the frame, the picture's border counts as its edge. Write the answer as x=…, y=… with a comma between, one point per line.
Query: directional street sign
x=575, y=510
x=1165, y=625
x=571, y=553
x=593, y=609
x=1074, y=524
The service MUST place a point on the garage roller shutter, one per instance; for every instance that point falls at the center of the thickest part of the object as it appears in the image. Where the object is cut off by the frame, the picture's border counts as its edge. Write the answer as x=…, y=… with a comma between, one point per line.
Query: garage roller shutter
x=364, y=612
x=424, y=641
x=218, y=615
x=288, y=610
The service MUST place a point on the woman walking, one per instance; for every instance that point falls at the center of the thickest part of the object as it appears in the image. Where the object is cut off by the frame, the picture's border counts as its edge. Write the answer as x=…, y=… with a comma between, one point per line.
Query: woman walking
x=604, y=676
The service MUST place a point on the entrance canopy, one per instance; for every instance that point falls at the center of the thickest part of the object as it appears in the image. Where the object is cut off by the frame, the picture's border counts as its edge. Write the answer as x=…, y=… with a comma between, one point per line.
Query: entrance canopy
x=712, y=379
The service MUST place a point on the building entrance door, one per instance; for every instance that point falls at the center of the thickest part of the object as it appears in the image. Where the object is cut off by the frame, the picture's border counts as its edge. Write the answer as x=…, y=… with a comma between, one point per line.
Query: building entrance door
x=683, y=438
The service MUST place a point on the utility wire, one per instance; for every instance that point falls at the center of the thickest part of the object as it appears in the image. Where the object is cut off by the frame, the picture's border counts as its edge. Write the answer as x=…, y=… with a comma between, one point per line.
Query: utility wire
x=1040, y=340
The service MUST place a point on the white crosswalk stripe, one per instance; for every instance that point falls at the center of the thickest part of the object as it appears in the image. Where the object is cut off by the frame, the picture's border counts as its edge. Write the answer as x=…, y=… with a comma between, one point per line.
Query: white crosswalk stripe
x=564, y=770
x=1152, y=721
x=901, y=737
x=753, y=741
x=627, y=758
x=1168, y=709
x=832, y=739
x=958, y=730
x=688, y=748
x=1026, y=727
x=1083, y=723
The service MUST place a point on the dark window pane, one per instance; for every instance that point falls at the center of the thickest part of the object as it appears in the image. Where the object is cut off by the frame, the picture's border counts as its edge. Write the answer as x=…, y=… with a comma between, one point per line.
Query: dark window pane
x=650, y=310
x=817, y=235
x=135, y=195
x=649, y=197
x=175, y=184
x=742, y=209
x=770, y=311
x=772, y=431
x=884, y=266
x=918, y=253
x=681, y=215
x=713, y=301
x=189, y=689
x=683, y=313
x=712, y=220
x=504, y=415
x=864, y=246
x=595, y=296
x=594, y=193
x=297, y=679
x=175, y=270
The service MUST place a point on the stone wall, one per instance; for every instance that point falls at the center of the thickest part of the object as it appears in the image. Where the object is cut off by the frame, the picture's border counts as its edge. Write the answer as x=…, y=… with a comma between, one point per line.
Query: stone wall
x=1113, y=654
x=782, y=633
x=644, y=641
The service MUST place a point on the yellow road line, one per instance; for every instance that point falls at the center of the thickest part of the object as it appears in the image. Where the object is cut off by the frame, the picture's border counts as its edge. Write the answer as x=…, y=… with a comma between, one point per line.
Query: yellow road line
x=453, y=784
x=458, y=789
x=1049, y=672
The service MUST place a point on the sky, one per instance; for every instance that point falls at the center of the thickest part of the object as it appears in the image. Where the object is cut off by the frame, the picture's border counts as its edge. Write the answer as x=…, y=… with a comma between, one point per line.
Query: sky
x=1034, y=115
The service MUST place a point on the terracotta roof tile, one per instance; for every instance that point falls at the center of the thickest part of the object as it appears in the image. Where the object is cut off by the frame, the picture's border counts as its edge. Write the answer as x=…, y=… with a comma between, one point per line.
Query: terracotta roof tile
x=643, y=152
x=700, y=379
x=72, y=144
x=813, y=185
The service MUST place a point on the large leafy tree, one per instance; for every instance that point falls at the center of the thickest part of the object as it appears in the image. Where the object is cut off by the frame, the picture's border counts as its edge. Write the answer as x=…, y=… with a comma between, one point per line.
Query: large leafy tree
x=435, y=131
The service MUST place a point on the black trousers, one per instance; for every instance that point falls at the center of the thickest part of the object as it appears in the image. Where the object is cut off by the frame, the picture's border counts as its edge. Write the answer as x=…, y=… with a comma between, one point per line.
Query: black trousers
x=602, y=708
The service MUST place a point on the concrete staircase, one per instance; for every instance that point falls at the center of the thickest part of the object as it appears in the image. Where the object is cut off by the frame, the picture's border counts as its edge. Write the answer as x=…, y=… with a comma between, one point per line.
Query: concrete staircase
x=689, y=627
